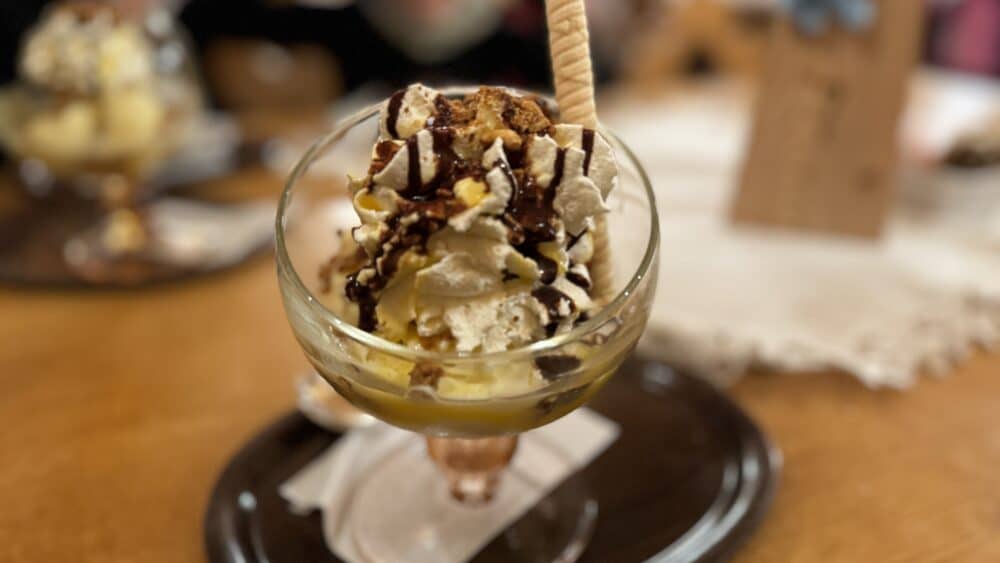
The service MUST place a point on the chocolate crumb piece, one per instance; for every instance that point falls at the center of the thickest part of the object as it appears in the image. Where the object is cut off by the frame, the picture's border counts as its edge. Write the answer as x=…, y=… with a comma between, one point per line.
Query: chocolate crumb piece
x=503, y=109
x=526, y=117
x=517, y=113
x=548, y=109
x=425, y=374
x=548, y=404
x=551, y=367
x=451, y=112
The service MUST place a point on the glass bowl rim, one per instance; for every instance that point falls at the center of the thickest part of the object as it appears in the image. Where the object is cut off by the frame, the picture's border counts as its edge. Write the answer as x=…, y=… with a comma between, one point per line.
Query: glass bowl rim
x=370, y=340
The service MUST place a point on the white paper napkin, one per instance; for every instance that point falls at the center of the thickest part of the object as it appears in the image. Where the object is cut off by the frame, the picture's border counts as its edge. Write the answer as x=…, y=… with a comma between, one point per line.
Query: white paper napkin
x=332, y=478
x=208, y=235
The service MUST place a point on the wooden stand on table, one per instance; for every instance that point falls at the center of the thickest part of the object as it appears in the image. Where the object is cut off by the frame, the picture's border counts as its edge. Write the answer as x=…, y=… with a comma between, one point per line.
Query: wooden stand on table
x=823, y=150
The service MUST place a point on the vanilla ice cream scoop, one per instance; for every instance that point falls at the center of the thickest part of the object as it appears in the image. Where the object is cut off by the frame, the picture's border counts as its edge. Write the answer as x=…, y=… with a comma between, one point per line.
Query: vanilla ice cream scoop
x=476, y=222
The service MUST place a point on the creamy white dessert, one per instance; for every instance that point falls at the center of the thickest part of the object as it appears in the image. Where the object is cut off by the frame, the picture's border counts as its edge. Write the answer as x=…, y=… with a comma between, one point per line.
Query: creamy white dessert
x=476, y=223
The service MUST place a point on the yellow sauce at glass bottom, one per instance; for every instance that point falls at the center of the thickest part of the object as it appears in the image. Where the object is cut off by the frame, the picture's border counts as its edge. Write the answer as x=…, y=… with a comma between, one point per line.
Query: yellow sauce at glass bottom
x=484, y=417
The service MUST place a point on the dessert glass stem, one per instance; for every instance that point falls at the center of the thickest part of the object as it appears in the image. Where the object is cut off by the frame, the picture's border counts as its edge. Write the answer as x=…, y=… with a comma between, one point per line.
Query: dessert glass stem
x=472, y=466
x=124, y=231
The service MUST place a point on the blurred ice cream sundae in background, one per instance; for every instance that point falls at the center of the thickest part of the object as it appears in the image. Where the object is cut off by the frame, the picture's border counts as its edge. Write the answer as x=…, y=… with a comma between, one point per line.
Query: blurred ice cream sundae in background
x=96, y=113
x=91, y=99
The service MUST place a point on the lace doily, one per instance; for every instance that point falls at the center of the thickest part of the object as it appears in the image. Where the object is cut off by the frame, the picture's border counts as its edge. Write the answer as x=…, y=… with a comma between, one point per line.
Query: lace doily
x=731, y=298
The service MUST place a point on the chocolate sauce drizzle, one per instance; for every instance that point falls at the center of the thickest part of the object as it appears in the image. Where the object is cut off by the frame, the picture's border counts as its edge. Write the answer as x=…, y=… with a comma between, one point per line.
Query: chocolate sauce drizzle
x=573, y=239
x=551, y=298
x=578, y=279
x=414, y=182
x=529, y=215
x=556, y=177
x=399, y=238
x=529, y=212
x=547, y=268
x=395, y=103
x=364, y=296
x=449, y=168
x=587, y=140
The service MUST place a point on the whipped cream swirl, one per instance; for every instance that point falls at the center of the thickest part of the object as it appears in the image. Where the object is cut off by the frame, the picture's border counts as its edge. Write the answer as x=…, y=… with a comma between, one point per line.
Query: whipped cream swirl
x=476, y=221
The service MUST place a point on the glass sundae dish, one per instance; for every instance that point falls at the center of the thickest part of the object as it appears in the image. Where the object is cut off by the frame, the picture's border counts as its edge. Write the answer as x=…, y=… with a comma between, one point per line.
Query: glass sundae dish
x=467, y=300
x=98, y=109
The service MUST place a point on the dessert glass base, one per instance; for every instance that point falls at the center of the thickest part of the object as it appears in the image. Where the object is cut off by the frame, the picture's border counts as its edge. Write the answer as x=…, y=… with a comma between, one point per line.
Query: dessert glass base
x=689, y=479
x=58, y=238
x=426, y=511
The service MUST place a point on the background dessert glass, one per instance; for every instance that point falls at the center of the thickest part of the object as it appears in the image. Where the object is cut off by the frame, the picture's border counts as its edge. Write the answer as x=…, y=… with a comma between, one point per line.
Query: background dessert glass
x=471, y=421
x=88, y=130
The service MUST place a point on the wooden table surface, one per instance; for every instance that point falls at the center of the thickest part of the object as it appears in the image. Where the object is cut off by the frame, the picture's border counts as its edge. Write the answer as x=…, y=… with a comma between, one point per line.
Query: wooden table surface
x=119, y=410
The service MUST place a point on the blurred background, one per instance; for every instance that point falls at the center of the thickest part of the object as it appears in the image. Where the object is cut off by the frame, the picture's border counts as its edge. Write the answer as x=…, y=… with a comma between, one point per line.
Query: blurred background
x=165, y=161
x=274, y=65
x=343, y=45
x=170, y=168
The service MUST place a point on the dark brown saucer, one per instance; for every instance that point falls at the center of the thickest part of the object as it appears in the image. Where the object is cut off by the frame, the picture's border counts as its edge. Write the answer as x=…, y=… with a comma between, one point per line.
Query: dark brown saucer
x=34, y=232
x=689, y=479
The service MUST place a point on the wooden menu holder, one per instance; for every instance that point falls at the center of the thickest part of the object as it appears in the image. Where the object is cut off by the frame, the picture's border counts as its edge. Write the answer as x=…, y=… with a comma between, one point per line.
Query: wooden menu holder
x=823, y=150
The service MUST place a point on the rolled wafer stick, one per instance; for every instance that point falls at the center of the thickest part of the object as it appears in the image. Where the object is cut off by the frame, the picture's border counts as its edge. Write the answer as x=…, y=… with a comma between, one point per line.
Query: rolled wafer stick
x=601, y=268
x=569, y=47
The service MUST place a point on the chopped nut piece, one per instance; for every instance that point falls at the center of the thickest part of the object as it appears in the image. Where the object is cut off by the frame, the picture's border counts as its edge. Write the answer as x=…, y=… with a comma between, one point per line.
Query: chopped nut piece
x=425, y=374
x=511, y=140
x=470, y=191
